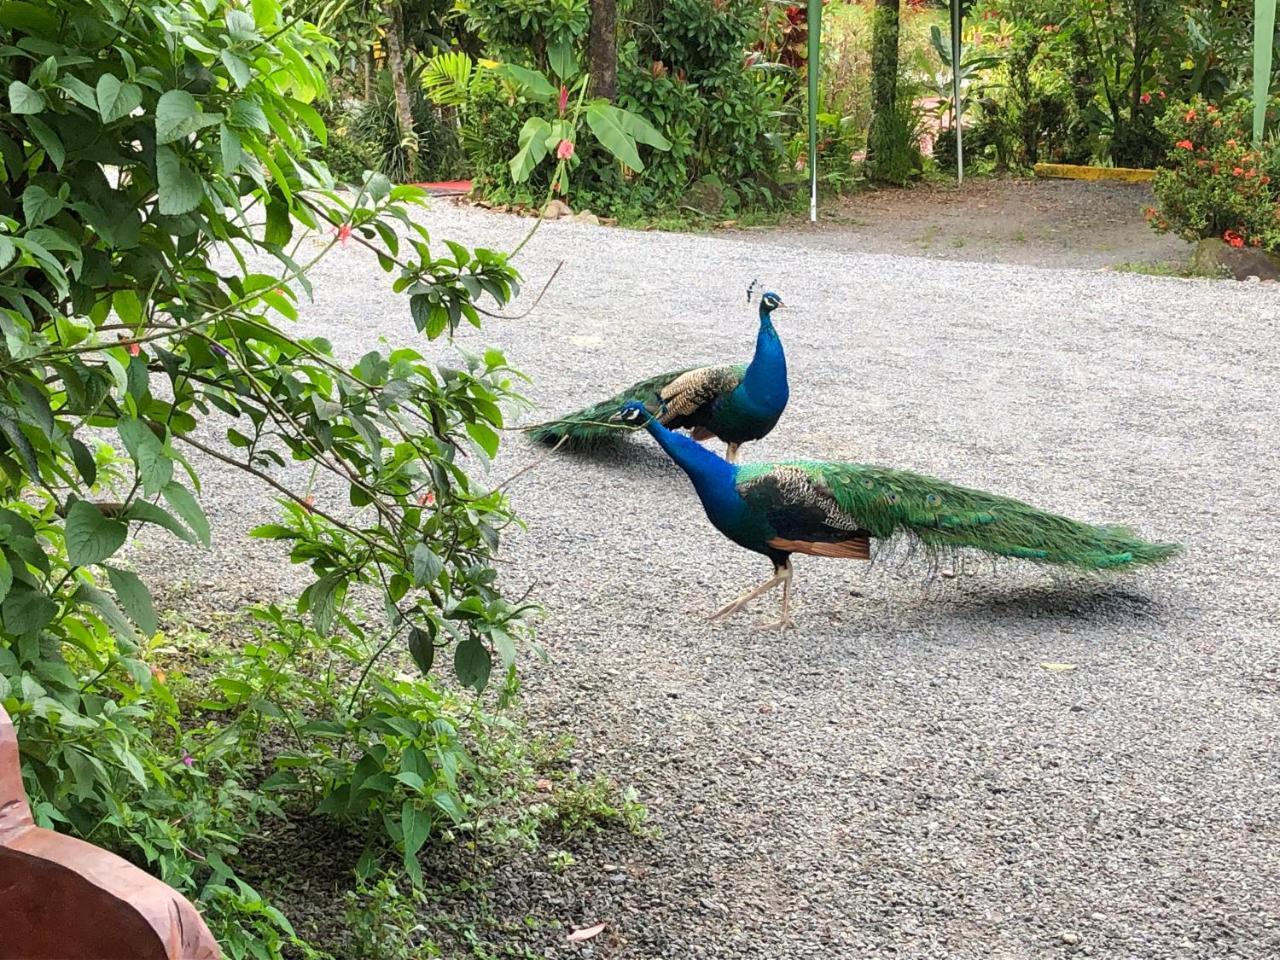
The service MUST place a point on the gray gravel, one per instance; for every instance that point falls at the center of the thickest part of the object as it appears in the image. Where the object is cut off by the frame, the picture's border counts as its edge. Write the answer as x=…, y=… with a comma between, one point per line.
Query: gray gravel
x=902, y=777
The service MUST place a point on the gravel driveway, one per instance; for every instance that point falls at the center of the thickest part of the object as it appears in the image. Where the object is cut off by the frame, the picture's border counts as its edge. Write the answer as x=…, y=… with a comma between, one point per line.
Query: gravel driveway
x=903, y=776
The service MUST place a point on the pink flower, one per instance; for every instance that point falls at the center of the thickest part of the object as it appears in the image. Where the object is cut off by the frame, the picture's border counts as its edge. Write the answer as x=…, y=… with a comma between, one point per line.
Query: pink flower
x=135, y=349
x=1238, y=171
x=187, y=759
x=564, y=98
x=427, y=499
x=1145, y=98
x=344, y=232
x=565, y=150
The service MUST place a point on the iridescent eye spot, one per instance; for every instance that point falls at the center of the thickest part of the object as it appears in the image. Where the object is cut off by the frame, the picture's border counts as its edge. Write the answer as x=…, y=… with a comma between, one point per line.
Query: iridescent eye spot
x=933, y=500
x=869, y=483
x=891, y=497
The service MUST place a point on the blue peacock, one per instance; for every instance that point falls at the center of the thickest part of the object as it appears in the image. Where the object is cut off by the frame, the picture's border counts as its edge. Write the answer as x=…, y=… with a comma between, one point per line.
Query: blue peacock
x=832, y=509
x=736, y=403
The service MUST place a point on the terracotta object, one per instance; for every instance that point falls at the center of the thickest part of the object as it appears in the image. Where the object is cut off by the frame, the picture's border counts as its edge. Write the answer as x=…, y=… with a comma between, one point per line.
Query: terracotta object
x=64, y=899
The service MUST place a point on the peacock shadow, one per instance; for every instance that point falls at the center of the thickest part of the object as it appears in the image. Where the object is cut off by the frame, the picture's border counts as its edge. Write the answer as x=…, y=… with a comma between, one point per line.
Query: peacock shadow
x=1067, y=600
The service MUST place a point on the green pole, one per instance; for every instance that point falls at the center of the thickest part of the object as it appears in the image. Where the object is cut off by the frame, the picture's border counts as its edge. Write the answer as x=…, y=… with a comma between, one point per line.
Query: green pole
x=1264, y=32
x=955, y=86
x=815, y=49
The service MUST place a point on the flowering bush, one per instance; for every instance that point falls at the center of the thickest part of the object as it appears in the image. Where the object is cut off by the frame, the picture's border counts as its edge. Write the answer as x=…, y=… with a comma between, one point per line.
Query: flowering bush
x=1214, y=183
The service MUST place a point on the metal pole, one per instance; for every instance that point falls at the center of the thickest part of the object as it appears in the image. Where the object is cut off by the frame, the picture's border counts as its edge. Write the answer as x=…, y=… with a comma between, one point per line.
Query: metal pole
x=955, y=87
x=815, y=49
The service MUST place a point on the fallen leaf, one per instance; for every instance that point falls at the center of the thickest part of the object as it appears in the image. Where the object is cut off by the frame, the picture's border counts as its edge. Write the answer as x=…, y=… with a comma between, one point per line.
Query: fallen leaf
x=586, y=933
x=1058, y=667
x=543, y=785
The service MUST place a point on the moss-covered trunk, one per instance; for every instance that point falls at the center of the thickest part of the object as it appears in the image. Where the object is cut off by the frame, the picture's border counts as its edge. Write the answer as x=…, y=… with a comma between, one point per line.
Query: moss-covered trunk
x=395, y=63
x=884, y=80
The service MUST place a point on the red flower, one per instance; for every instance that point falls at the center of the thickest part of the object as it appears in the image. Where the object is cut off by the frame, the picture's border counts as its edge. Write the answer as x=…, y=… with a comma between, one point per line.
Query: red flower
x=1212, y=108
x=1238, y=171
x=564, y=98
x=1185, y=145
x=1233, y=238
x=135, y=349
x=1145, y=98
x=344, y=232
x=565, y=150
x=1191, y=115
x=428, y=499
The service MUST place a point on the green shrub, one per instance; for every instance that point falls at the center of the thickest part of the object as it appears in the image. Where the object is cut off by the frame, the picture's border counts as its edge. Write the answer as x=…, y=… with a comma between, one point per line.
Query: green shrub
x=139, y=143
x=1213, y=182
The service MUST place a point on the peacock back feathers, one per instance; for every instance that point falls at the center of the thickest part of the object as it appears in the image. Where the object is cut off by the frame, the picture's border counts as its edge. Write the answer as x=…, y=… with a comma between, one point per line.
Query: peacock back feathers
x=889, y=503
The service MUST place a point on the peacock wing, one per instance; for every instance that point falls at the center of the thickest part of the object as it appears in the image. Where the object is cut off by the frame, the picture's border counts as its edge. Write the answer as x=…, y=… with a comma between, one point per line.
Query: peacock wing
x=693, y=390
x=802, y=511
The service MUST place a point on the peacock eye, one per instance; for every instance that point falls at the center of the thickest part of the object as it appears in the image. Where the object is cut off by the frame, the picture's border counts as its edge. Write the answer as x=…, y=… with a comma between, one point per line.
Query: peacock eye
x=869, y=483
x=891, y=497
x=933, y=500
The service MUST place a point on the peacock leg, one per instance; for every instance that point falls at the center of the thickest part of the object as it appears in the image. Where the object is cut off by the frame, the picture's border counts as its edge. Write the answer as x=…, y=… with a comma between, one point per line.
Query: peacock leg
x=780, y=575
x=785, y=620
x=731, y=452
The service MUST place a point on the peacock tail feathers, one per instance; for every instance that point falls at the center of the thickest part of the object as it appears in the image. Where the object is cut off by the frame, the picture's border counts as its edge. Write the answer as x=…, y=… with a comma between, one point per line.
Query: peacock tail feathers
x=595, y=425
x=888, y=503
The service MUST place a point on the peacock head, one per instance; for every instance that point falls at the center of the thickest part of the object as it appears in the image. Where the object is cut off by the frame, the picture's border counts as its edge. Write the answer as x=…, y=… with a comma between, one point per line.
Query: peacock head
x=633, y=412
x=770, y=302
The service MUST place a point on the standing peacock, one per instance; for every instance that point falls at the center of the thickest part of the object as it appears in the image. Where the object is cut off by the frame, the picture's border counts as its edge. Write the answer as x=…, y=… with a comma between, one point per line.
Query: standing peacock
x=837, y=509
x=736, y=402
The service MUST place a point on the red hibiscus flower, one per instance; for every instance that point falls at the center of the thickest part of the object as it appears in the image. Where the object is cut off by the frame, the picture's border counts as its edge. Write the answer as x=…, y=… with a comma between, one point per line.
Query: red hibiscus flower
x=1185, y=145
x=1233, y=238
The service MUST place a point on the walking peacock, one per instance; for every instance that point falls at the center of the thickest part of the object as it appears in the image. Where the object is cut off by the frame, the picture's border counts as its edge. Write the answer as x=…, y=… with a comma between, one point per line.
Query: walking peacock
x=736, y=402
x=836, y=509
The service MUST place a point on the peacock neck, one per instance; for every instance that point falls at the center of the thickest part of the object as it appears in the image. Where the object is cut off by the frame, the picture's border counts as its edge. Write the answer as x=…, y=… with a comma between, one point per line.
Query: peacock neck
x=713, y=477
x=765, y=381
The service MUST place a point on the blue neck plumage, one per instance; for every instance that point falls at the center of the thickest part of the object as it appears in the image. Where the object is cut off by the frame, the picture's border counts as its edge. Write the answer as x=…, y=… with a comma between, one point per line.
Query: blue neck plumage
x=766, y=378
x=714, y=478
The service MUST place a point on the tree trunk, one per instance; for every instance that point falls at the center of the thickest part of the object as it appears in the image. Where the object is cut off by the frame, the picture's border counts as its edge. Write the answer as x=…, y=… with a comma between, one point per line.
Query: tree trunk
x=395, y=63
x=368, y=65
x=884, y=78
x=602, y=48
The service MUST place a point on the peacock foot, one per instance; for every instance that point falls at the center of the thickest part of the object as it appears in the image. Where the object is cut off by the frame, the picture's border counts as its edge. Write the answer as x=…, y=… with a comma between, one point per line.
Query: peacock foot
x=728, y=610
x=778, y=625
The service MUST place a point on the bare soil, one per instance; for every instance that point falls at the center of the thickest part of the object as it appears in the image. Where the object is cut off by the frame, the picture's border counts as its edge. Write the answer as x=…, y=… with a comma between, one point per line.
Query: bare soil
x=1040, y=223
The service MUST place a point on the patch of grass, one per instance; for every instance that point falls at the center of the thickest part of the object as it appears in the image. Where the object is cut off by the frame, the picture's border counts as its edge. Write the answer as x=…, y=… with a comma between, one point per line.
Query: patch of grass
x=1165, y=268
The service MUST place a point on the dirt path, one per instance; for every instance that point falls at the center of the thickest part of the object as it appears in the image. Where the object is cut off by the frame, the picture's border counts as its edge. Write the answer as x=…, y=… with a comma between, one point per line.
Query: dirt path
x=1042, y=223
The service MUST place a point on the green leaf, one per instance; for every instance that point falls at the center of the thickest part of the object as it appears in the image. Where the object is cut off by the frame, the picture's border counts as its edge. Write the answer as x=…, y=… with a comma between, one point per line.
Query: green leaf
x=86, y=466
x=6, y=579
x=485, y=436
x=422, y=650
x=472, y=664
x=116, y=99
x=91, y=537
x=135, y=598
x=426, y=565
x=449, y=804
x=24, y=100
x=640, y=129
x=237, y=68
x=49, y=140
x=155, y=468
x=533, y=147
x=415, y=824
x=189, y=509
x=560, y=56
x=324, y=596
x=531, y=83
x=178, y=115
x=180, y=188
x=229, y=144
x=604, y=123
x=279, y=224
x=26, y=610
x=145, y=512
x=38, y=205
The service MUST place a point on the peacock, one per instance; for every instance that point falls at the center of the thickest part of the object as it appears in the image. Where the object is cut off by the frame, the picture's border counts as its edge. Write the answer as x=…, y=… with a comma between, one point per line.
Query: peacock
x=831, y=509
x=736, y=403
